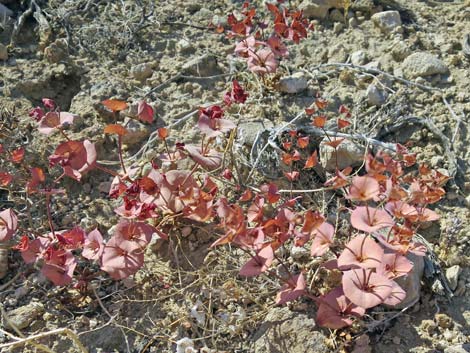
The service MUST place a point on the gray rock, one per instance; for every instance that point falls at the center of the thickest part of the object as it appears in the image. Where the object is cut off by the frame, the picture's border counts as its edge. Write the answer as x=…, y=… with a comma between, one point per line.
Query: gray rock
x=412, y=282
x=57, y=51
x=137, y=132
x=287, y=331
x=359, y=57
x=142, y=71
x=204, y=65
x=365, y=6
x=374, y=65
x=452, y=274
x=3, y=52
x=294, y=83
x=375, y=96
x=461, y=348
x=423, y=64
x=319, y=8
x=348, y=154
x=185, y=47
x=23, y=316
x=338, y=27
x=336, y=16
x=247, y=131
x=387, y=21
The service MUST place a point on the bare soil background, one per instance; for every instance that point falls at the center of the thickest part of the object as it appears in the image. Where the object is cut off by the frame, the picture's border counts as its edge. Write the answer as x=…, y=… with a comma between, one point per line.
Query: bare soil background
x=404, y=81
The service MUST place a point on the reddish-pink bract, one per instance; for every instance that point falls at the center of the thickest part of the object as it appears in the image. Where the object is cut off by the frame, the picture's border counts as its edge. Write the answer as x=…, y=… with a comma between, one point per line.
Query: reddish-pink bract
x=8, y=224
x=93, y=246
x=361, y=252
x=366, y=288
x=53, y=121
x=145, y=112
x=336, y=311
x=293, y=289
x=259, y=263
x=370, y=219
x=75, y=157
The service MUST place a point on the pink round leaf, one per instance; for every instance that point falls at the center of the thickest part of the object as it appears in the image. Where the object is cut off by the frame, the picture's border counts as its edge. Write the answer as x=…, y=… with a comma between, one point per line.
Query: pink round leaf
x=259, y=263
x=397, y=296
x=145, y=112
x=361, y=252
x=75, y=157
x=366, y=288
x=291, y=290
x=8, y=224
x=394, y=266
x=370, y=219
x=121, y=259
x=133, y=234
x=336, y=310
x=322, y=239
x=55, y=120
x=59, y=268
x=93, y=247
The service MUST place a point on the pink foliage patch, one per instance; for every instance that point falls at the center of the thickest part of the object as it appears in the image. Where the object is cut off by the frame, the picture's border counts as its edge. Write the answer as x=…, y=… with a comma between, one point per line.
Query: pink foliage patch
x=366, y=288
x=336, y=310
x=75, y=157
x=370, y=219
x=55, y=120
x=259, y=263
x=361, y=252
x=8, y=224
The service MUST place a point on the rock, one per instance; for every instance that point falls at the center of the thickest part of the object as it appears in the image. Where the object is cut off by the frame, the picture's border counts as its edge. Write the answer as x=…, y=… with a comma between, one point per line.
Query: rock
x=411, y=283
x=348, y=153
x=400, y=51
x=247, y=131
x=204, y=65
x=336, y=16
x=452, y=274
x=287, y=331
x=374, y=65
x=294, y=83
x=23, y=316
x=461, y=348
x=423, y=64
x=3, y=52
x=142, y=71
x=443, y=320
x=359, y=57
x=387, y=21
x=365, y=6
x=375, y=96
x=338, y=27
x=137, y=132
x=184, y=46
x=57, y=51
x=319, y=8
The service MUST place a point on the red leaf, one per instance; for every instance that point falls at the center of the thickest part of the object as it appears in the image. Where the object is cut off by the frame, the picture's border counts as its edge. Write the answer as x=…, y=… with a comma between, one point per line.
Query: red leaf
x=291, y=291
x=246, y=196
x=302, y=142
x=309, y=111
x=162, y=133
x=259, y=263
x=342, y=123
x=145, y=112
x=5, y=178
x=292, y=175
x=114, y=105
x=334, y=143
x=17, y=155
x=319, y=121
x=321, y=103
x=312, y=160
x=115, y=129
